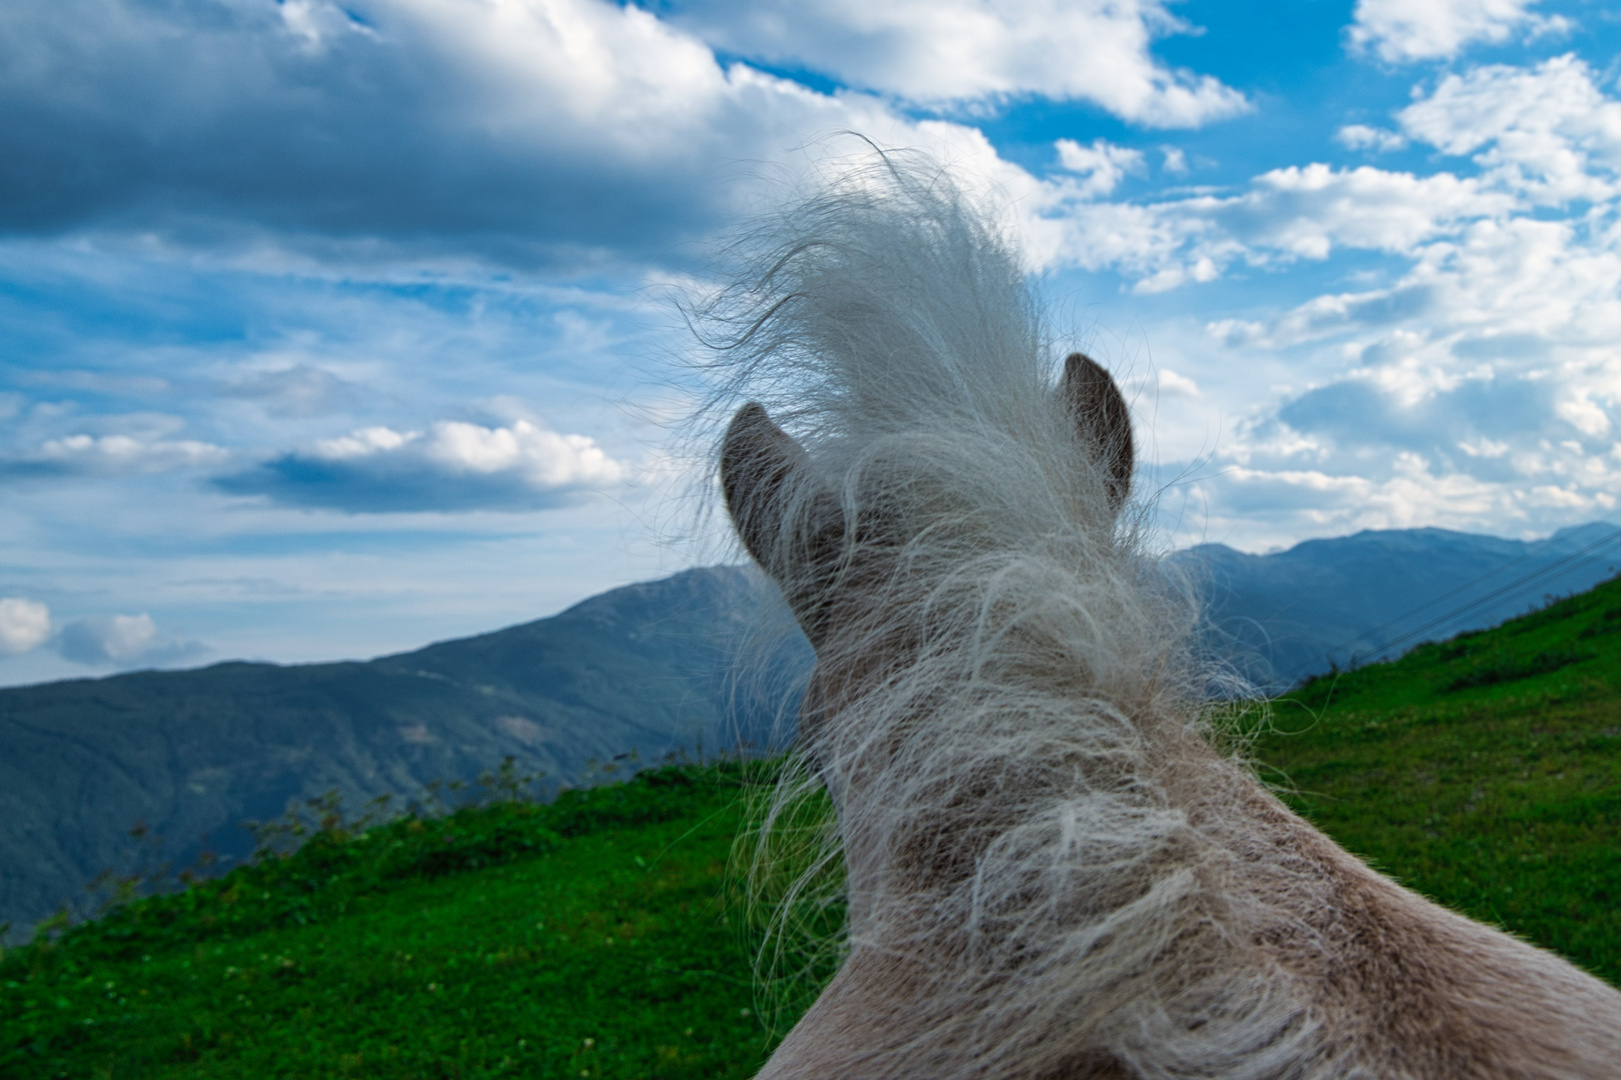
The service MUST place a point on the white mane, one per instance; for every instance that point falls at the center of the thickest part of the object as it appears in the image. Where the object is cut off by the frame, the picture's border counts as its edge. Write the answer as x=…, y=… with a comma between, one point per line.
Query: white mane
x=890, y=327
x=1047, y=862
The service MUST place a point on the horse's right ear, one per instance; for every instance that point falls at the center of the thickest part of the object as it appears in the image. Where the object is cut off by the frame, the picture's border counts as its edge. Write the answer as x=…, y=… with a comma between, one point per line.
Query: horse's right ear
x=1104, y=420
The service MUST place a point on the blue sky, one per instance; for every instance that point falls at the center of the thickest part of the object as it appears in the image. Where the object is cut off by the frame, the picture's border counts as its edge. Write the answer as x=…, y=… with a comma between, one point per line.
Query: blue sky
x=329, y=329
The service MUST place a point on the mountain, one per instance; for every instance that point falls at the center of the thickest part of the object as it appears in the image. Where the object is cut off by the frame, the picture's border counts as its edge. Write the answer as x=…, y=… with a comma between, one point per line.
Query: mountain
x=1283, y=616
x=643, y=671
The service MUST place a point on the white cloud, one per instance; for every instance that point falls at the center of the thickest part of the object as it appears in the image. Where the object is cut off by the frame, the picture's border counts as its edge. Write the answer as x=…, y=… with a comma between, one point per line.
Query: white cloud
x=569, y=134
x=108, y=639
x=1407, y=30
x=1505, y=299
x=123, y=641
x=572, y=133
x=545, y=459
x=1290, y=503
x=937, y=51
x=1481, y=390
x=24, y=624
x=1540, y=136
x=1547, y=132
x=1472, y=378
x=583, y=71
x=364, y=443
x=1308, y=211
x=1298, y=212
x=120, y=454
x=111, y=455
x=315, y=23
x=452, y=466
x=1178, y=385
x=1363, y=137
x=1101, y=166
x=1169, y=243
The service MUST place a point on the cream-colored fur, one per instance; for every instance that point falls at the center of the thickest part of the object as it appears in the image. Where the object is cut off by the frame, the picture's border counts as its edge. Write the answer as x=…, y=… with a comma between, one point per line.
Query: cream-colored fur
x=1050, y=869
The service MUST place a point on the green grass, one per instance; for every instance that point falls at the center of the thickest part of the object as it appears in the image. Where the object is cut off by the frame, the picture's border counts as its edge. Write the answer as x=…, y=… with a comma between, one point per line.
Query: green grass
x=1484, y=772
x=587, y=938
x=599, y=936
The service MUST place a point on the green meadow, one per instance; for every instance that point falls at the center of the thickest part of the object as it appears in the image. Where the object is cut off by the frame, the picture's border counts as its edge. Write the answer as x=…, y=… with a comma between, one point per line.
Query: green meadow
x=1484, y=772
x=602, y=936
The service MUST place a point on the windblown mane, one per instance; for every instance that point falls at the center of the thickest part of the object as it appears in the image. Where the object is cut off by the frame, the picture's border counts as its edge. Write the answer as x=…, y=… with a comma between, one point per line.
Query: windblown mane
x=1011, y=725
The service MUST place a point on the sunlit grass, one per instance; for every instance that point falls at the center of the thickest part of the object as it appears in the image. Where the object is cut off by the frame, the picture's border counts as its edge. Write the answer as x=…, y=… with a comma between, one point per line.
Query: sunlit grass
x=606, y=953
x=1484, y=772
x=606, y=936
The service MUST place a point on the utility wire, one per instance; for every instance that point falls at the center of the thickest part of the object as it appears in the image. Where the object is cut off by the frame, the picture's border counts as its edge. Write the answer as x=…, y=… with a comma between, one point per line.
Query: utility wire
x=1457, y=612
x=1449, y=594
x=1511, y=587
x=1404, y=616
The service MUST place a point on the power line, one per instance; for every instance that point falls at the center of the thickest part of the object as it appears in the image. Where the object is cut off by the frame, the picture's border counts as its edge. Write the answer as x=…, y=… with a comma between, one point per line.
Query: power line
x=1404, y=616
x=1457, y=612
x=1510, y=588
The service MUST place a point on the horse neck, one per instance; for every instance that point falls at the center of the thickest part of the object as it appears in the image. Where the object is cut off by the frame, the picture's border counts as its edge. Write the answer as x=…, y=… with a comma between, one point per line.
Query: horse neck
x=928, y=848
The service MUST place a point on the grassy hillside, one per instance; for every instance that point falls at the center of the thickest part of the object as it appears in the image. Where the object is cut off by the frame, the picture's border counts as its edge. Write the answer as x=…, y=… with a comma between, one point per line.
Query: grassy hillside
x=191, y=753
x=585, y=938
x=1484, y=771
x=591, y=937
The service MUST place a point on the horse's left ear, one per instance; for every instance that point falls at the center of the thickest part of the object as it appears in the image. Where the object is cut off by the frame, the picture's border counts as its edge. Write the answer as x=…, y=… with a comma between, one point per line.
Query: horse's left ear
x=791, y=524
x=759, y=464
x=1104, y=421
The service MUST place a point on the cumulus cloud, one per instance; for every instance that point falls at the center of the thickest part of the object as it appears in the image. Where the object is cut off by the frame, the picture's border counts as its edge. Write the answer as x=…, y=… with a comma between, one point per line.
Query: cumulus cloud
x=566, y=134
x=1307, y=211
x=1509, y=282
x=1170, y=383
x=1546, y=132
x=1472, y=381
x=938, y=51
x=452, y=466
x=1298, y=212
x=1401, y=31
x=112, y=455
x=1484, y=391
x=1295, y=502
x=24, y=624
x=122, y=640
x=1363, y=137
x=1101, y=165
x=1455, y=424
x=1462, y=376
x=1542, y=136
x=509, y=129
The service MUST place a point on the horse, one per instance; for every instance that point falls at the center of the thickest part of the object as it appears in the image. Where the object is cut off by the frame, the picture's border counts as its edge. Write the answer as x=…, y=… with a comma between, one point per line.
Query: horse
x=1054, y=867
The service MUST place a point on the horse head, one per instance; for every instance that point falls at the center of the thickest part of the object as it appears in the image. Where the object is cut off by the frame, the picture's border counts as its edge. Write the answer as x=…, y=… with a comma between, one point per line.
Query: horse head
x=794, y=523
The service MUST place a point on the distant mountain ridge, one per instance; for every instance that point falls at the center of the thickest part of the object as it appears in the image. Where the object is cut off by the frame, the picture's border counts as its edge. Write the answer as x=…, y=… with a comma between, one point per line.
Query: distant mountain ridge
x=1286, y=615
x=645, y=670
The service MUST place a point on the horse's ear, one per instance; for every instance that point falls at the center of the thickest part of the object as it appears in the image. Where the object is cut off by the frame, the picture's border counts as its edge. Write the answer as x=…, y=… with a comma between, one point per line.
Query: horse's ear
x=758, y=463
x=1104, y=421
x=763, y=472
